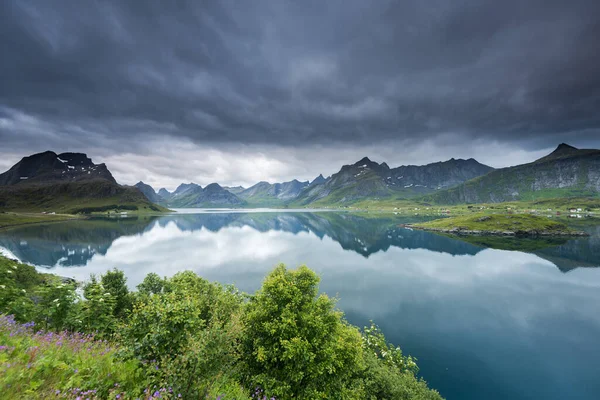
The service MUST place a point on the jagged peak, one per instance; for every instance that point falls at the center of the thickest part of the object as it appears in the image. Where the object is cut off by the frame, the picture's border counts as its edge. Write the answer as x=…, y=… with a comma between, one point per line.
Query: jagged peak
x=184, y=186
x=213, y=186
x=364, y=160
x=564, y=146
x=562, y=150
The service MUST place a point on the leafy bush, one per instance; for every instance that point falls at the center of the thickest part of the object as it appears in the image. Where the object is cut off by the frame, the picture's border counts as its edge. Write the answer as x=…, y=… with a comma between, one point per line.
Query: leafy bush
x=389, y=374
x=32, y=296
x=152, y=284
x=187, y=329
x=115, y=283
x=296, y=345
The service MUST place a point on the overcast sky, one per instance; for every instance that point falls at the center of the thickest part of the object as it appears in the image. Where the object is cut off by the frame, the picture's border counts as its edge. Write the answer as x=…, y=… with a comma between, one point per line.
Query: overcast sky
x=242, y=91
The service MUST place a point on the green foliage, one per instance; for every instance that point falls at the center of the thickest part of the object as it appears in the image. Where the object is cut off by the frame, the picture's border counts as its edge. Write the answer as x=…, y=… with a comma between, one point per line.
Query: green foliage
x=383, y=381
x=374, y=341
x=96, y=314
x=152, y=284
x=388, y=373
x=206, y=361
x=190, y=337
x=296, y=344
x=108, y=207
x=115, y=283
x=187, y=329
x=49, y=365
x=32, y=296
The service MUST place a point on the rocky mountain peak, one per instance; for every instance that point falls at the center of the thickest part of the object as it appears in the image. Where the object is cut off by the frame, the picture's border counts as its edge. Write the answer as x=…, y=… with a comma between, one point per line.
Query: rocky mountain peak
x=562, y=150
x=318, y=180
x=186, y=186
x=364, y=161
x=213, y=187
x=48, y=167
x=148, y=191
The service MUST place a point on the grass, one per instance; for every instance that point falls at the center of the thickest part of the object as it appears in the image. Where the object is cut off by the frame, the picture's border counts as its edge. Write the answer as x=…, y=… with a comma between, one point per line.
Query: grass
x=37, y=365
x=497, y=222
x=8, y=219
x=74, y=197
x=410, y=207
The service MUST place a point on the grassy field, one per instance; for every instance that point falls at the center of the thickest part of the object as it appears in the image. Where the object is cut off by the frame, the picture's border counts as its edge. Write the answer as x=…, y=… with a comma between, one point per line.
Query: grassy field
x=74, y=198
x=497, y=222
x=8, y=219
x=411, y=207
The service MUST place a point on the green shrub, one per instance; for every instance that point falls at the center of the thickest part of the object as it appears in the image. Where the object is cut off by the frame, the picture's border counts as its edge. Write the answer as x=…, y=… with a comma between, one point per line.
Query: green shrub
x=32, y=296
x=389, y=374
x=115, y=283
x=295, y=344
x=152, y=284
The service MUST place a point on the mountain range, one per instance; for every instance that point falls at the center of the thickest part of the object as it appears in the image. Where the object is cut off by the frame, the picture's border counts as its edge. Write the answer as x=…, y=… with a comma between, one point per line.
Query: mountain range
x=368, y=179
x=361, y=180
x=48, y=179
x=193, y=195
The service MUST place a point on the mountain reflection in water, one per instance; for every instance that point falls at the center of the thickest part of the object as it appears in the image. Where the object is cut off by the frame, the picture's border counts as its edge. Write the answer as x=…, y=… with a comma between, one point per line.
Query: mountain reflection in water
x=518, y=320
x=74, y=243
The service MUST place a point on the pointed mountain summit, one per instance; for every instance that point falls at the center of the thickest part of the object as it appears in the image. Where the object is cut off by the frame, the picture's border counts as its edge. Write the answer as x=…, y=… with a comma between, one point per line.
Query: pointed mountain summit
x=164, y=193
x=364, y=161
x=564, y=150
x=185, y=187
x=318, y=180
x=148, y=191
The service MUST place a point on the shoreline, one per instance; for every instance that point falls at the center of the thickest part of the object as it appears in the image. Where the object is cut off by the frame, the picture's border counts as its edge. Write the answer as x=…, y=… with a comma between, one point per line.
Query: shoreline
x=42, y=221
x=518, y=233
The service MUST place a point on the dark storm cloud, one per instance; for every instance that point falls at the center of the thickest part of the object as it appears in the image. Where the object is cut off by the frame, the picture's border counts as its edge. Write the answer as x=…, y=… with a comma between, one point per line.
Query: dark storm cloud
x=296, y=74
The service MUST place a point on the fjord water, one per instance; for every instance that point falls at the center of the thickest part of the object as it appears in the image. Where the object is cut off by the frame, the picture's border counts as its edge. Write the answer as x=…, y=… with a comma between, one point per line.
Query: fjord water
x=483, y=323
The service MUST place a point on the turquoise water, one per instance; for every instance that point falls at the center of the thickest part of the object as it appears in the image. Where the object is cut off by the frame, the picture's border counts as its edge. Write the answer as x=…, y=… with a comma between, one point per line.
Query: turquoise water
x=483, y=323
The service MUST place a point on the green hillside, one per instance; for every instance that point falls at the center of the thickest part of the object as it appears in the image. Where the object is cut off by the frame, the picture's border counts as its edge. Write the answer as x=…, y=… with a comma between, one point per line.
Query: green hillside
x=75, y=197
x=566, y=172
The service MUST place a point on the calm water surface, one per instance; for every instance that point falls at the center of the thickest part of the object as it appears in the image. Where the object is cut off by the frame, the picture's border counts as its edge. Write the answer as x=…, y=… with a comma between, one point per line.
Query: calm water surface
x=483, y=323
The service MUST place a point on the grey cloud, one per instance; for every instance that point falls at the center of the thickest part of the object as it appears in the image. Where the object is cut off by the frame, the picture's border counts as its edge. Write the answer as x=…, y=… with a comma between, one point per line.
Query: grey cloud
x=298, y=74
